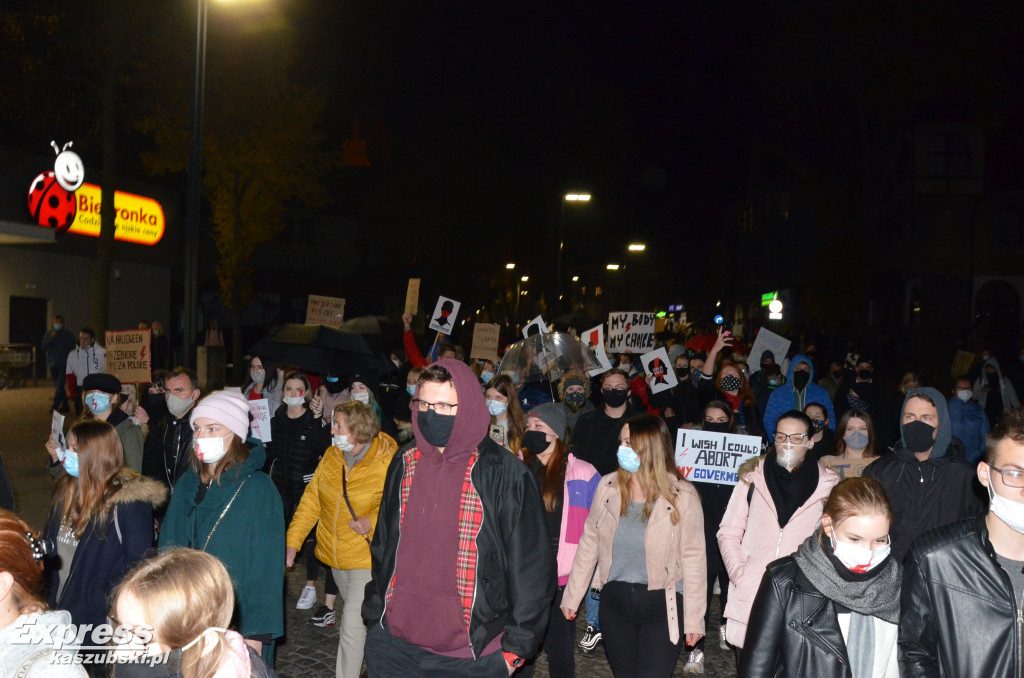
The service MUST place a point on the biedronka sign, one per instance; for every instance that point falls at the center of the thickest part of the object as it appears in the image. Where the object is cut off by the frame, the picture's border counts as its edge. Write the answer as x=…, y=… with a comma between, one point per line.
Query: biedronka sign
x=138, y=219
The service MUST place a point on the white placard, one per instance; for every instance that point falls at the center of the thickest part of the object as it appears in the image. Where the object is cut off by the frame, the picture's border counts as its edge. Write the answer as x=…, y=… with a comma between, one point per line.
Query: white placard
x=260, y=426
x=767, y=341
x=657, y=365
x=707, y=457
x=485, y=341
x=594, y=337
x=537, y=322
x=57, y=430
x=444, y=315
x=630, y=331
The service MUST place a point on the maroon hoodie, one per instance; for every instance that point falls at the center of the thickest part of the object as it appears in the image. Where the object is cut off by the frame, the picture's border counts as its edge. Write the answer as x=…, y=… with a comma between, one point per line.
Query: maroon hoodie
x=425, y=608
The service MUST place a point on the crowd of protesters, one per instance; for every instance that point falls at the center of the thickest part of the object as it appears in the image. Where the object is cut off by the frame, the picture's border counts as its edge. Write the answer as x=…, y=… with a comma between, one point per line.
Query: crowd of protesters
x=466, y=516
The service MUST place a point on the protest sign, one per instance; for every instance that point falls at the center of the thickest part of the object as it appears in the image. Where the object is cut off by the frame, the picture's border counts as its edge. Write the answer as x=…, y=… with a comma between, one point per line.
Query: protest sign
x=594, y=338
x=128, y=356
x=443, y=317
x=485, y=341
x=537, y=323
x=962, y=362
x=260, y=426
x=57, y=429
x=767, y=341
x=656, y=364
x=630, y=331
x=412, y=296
x=707, y=457
x=329, y=311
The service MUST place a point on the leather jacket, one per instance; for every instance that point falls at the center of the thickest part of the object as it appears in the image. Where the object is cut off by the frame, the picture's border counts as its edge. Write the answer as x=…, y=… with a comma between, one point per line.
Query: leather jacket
x=959, y=616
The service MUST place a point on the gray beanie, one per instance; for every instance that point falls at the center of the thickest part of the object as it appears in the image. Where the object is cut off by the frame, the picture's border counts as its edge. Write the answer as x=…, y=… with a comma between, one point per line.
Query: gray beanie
x=552, y=414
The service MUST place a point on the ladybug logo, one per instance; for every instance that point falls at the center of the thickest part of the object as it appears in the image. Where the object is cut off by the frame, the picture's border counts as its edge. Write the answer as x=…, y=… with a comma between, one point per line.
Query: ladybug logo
x=51, y=197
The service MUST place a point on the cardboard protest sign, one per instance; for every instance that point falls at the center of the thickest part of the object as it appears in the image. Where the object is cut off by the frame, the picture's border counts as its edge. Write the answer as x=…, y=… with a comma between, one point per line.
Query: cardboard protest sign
x=630, y=331
x=962, y=363
x=767, y=341
x=128, y=356
x=657, y=365
x=534, y=326
x=485, y=341
x=329, y=311
x=443, y=317
x=57, y=429
x=260, y=425
x=594, y=338
x=707, y=457
x=412, y=296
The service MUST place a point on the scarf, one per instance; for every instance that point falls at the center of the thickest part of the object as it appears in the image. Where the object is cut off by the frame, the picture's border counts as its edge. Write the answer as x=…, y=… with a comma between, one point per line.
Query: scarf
x=789, y=491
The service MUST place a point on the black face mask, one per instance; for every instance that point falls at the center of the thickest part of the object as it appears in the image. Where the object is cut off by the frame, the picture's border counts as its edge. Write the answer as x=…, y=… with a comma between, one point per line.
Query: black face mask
x=716, y=427
x=819, y=425
x=992, y=378
x=918, y=436
x=536, y=441
x=614, y=397
x=435, y=428
x=837, y=375
x=800, y=379
x=333, y=387
x=575, y=401
x=864, y=374
x=682, y=372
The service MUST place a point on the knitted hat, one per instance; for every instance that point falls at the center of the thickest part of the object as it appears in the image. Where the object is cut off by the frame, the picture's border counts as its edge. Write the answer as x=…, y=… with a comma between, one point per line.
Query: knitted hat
x=552, y=414
x=226, y=408
x=99, y=381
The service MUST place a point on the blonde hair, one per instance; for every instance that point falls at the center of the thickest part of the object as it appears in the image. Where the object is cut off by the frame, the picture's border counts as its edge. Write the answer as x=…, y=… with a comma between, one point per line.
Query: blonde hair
x=360, y=420
x=182, y=593
x=856, y=497
x=100, y=463
x=649, y=437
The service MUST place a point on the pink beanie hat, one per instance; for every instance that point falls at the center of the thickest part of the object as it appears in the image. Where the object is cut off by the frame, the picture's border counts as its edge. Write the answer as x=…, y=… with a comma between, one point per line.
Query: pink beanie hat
x=227, y=408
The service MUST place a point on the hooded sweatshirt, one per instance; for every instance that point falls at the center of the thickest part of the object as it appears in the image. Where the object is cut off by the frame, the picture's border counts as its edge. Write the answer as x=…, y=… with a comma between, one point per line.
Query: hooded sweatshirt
x=926, y=494
x=786, y=397
x=1001, y=383
x=425, y=608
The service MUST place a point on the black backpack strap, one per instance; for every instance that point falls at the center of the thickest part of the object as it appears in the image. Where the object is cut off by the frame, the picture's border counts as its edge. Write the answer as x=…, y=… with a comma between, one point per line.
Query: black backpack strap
x=750, y=493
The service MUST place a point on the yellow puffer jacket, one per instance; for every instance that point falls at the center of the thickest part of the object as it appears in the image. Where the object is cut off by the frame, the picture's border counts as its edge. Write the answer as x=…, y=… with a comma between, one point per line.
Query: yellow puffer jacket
x=337, y=544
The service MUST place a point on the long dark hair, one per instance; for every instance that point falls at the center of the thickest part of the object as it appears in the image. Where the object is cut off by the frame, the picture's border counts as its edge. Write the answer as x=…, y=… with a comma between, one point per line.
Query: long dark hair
x=553, y=487
x=269, y=366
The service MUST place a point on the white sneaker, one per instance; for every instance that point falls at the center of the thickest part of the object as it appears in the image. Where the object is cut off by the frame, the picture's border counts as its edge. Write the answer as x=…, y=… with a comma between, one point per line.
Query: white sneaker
x=722, y=643
x=308, y=598
x=695, y=662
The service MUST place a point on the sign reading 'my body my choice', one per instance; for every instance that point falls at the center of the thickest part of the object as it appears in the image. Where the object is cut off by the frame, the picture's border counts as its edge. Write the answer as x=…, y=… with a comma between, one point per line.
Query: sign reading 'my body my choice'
x=707, y=457
x=630, y=331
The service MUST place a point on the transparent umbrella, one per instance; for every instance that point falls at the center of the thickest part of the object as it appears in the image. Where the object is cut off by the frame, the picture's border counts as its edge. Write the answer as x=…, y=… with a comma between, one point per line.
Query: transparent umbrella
x=545, y=357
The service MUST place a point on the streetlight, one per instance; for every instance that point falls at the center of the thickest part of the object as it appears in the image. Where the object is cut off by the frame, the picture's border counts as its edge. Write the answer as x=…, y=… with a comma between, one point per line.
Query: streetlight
x=577, y=197
x=525, y=278
x=612, y=267
x=637, y=247
x=510, y=266
x=575, y=278
x=574, y=198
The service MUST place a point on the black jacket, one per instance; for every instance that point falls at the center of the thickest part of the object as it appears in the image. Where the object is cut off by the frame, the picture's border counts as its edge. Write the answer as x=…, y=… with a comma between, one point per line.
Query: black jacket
x=292, y=462
x=926, y=494
x=515, y=572
x=596, y=438
x=958, y=615
x=797, y=629
x=167, y=453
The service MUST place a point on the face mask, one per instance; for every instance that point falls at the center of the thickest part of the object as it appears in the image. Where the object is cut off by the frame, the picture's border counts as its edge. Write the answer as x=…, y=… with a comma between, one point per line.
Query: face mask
x=362, y=397
x=773, y=381
x=800, y=379
x=201, y=635
x=98, y=403
x=789, y=458
x=211, y=450
x=495, y=408
x=575, y=401
x=294, y=402
x=486, y=377
x=730, y=383
x=837, y=375
x=856, y=440
x=411, y=390
x=682, y=372
x=536, y=441
x=178, y=406
x=435, y=428
x=342, y=443
x=716, y=426
x=918, y=436
x=1008, y=511
x=333, y=385
x=614, y=397
x=71, y=463
x=819, y=425
x=965, y=396
x=257, y=376
x=857, y=558
x=628, y=459
x=58, y=326
x=864, y=374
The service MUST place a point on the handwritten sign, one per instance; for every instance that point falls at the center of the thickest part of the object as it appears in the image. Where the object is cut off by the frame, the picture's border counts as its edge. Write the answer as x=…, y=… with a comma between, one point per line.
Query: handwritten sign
x=485, y=341
x=57, y=429
x=534, y=326
x=329, y=311
x=443, y=317
x=260, y=425
x=128, y=356
x=767, y=341
x=962, y=362
x=594, y=338
x=707, y=457
x=630, y=331
x=656, y=364
x=412, y=296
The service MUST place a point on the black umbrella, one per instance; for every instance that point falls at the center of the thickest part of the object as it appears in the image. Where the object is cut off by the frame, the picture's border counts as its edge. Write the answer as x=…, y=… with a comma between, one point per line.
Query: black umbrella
x=576, y=321
x=322, y=349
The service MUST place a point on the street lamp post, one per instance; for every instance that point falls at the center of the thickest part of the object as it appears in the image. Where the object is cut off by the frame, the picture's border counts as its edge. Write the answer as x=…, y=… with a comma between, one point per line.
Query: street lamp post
x=574, y=198
x=193, y=190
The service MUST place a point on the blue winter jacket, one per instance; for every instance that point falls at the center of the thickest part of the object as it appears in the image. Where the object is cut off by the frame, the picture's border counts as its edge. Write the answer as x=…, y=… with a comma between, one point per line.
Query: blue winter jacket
x=970, y=425
x=783, y=398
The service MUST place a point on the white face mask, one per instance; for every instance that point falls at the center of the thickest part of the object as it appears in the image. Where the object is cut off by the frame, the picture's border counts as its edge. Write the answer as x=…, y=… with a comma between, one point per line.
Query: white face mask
x=211, y=450
x=363, y=397
x=495, y=408
x=857, y=558
x=789, y=458
x=295, y=402
x=964, y=395
x=1007, y=510
x=342, y=443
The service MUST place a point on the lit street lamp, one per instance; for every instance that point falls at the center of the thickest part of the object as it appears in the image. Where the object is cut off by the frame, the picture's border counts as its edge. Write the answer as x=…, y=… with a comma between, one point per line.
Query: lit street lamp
x=637, y=247
x=574, y=198
x=510, y=266
x=612, y=267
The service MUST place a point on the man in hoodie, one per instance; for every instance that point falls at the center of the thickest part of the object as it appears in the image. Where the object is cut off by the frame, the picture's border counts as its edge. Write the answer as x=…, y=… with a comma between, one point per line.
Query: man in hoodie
x=926, y=478
x=463, y=574
x=796, y=394
x=968, y=420
x=993, y=391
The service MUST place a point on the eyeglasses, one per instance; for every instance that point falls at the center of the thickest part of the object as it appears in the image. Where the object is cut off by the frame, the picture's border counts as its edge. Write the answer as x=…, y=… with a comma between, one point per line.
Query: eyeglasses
x=440, y=408
x=1012, y=477
x=795, y=438
x=615, y=390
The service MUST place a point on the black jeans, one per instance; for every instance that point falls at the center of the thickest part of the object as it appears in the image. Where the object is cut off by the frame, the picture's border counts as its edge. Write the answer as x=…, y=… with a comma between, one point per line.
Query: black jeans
x=723, y=584
x=634, y=624
x=60, y=396
x=559, y=643
x=313, y=565
x=390, y=657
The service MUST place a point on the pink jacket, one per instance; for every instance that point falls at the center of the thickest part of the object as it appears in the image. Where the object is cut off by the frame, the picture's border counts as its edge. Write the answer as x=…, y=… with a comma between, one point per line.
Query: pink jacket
x=674, y=552
x=749, y=538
